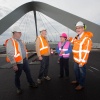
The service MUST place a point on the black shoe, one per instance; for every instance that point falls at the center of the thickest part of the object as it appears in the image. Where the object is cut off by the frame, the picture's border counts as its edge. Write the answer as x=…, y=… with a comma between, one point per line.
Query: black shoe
x=34, y=85
x=19, y=91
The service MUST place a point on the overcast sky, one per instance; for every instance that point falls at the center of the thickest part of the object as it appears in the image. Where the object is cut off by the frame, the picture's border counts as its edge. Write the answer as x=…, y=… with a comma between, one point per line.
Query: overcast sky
x=87, y=9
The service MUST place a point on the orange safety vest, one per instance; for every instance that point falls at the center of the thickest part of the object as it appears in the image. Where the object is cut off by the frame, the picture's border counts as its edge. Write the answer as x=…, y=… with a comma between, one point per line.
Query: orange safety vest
x=82, y=47
x=17, y=55
x=6, y=42
x=43, y=45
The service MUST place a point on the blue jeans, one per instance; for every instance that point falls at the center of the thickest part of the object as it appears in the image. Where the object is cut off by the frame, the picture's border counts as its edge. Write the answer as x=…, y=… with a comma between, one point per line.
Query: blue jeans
x=25, y=67
x=80, y=73
x=44, y=67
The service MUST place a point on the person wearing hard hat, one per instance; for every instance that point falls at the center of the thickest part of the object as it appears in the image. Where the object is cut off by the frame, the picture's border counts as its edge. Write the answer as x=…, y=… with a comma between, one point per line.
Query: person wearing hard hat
x=64, y=49
x=17, y=56
x=43, y=52
x=82, y=45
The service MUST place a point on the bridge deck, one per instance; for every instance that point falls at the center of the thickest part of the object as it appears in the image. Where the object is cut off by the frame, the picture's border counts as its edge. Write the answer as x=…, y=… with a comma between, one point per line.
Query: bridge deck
x=56, y=89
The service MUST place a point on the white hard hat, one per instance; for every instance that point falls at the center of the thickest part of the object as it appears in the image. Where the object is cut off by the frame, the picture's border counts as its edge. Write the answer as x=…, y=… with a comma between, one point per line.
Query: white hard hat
x=42, y=29
x=79, y=24
x=16, y=29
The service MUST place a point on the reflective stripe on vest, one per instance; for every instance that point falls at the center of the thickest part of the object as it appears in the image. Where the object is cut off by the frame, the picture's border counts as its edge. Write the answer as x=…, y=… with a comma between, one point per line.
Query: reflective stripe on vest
x=80, y=48
x=72, y=40
x=86, y=50
x=80, y=60
x=80, y=51
x=65, y=48
x=17, y=55
x=65, y=55
x=43, y=47
x=77, y=51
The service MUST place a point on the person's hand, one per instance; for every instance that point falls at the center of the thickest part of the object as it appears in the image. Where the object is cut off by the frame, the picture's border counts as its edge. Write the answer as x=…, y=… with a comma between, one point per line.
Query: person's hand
x=40, y=58
x=51, y=51
x=80, y=65
x=62, y=52
x=68, y=38
x=15, y=68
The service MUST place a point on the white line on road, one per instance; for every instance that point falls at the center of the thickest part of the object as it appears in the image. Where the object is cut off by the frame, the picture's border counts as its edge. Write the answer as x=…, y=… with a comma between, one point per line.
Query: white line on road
x=94, y=68
x=90, y=70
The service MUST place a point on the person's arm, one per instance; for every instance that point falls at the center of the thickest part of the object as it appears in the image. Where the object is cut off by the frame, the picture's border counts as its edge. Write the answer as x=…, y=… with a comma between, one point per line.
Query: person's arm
x=57, y=49
x=10, y=52
x=38, y=47
x=86, y=47
x=26, y=50
x=71, y=39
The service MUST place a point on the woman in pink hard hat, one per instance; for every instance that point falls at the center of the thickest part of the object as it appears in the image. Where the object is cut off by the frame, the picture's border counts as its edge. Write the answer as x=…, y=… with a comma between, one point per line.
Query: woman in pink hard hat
x=64, y=49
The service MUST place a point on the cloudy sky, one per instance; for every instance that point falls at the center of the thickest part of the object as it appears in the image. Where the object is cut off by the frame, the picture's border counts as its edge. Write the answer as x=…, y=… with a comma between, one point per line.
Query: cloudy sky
x=87, y=9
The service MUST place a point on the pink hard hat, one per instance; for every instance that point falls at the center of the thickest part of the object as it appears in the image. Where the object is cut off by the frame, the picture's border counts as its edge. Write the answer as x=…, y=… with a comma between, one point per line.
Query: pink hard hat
x=63, y=35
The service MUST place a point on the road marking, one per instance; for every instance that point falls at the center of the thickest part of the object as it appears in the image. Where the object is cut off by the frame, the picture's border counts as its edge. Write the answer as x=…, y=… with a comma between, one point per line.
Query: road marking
x=8, y=65
x=3, y=55
x=90, y=70
x=94, y=68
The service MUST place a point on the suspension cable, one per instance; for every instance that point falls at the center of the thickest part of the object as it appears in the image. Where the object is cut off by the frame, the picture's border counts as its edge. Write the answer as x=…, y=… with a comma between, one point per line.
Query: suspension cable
x=43, y=23
x=25, y=29
x=49, y=30
x=50, y=23
x=22, y=20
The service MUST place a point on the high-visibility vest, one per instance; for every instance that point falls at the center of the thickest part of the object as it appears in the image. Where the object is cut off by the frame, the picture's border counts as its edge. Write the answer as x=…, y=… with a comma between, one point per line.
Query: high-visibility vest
x=82, y=47
x=65, y=48
x=17, y=55
x=44, y=49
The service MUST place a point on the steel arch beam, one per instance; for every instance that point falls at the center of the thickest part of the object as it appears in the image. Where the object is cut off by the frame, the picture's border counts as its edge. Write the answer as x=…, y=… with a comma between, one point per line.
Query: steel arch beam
x=63, y=17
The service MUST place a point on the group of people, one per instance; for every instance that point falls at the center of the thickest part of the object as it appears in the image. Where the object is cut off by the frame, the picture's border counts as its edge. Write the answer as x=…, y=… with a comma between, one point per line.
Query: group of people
x=18, y=57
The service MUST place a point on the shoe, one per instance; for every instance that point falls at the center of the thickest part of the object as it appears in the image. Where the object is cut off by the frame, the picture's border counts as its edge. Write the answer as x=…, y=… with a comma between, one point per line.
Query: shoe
x=47, y=78
x=34, y=85
x=74, y=82
x=39, y=81
x=19, y=91
x=79, y=87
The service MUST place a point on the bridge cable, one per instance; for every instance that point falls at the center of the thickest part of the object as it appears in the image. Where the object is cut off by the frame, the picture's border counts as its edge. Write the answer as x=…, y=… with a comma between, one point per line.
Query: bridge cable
x=25, y=29
x=22, y=20
x=43, y=23
x=50, y=23
x=49, y=29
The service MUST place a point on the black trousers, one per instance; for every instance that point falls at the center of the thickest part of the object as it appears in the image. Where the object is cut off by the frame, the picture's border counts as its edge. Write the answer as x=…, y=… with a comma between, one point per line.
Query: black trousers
x=64, y=67
x=44, y=67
